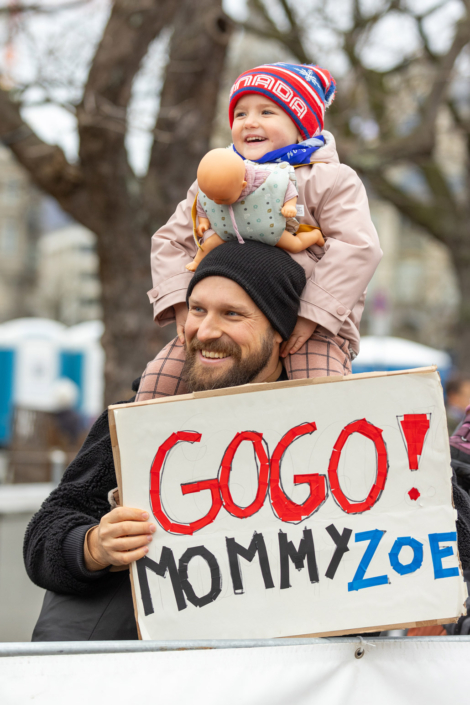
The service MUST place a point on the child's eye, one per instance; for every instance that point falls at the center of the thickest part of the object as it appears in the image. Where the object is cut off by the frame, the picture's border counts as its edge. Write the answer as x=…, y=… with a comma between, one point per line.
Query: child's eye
x=268, y=112
x=240, y=114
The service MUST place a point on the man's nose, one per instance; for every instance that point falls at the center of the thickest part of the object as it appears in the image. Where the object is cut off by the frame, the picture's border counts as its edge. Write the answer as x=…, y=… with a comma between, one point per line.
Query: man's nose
x=209, y=329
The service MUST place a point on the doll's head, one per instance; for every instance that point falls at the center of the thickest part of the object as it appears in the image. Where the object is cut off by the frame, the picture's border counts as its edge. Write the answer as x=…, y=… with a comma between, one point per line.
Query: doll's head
x=276, y=105
x=221, y=176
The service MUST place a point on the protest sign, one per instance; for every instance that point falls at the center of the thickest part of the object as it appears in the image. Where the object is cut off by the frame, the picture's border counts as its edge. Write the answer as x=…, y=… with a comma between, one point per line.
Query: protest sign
x=315, y=507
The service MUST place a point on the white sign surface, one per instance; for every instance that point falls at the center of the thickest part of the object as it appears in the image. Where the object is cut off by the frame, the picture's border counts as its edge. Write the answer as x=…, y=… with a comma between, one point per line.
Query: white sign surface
x=312, y=507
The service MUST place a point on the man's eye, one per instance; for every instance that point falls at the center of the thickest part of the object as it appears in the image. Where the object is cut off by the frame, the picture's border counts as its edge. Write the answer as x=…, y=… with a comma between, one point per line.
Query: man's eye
x=232, y=313
x=196, y=309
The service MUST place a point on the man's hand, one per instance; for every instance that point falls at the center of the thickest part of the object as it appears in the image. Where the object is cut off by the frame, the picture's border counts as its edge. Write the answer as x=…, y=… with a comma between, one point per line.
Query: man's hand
x=181, y=313
x=304, y=329
x=122, y=536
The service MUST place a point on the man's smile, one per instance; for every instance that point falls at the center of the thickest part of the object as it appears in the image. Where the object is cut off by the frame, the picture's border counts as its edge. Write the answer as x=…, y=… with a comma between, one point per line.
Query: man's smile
x=207, y=357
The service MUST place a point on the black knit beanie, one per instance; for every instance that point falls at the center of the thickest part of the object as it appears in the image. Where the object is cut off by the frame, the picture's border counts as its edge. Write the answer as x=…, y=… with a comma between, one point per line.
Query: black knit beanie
x=268, y=275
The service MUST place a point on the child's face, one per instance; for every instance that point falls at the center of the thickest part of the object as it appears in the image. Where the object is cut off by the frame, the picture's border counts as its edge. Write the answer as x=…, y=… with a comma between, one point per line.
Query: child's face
x=260, y=126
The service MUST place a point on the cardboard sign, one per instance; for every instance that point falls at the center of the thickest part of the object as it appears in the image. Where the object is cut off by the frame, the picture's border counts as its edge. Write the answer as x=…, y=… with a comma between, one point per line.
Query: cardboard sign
x=313, y=507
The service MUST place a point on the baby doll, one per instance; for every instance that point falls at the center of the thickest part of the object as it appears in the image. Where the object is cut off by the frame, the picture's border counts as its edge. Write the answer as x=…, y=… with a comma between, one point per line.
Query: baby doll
x=276, y=114
x=227, y=203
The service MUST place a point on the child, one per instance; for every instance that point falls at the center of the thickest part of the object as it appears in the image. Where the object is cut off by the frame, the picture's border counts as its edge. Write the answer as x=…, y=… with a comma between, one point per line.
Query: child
x=276, y=114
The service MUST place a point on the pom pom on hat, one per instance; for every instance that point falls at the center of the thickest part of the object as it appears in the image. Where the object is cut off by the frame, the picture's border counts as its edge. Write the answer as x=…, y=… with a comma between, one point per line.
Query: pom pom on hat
x=303, y=91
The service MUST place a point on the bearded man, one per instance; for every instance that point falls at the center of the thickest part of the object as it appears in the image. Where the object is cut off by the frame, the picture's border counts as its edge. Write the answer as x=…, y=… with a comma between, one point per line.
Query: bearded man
x=243, y=303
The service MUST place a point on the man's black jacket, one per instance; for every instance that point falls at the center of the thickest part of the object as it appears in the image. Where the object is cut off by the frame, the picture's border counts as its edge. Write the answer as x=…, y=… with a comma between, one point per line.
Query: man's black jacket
x=53, y=549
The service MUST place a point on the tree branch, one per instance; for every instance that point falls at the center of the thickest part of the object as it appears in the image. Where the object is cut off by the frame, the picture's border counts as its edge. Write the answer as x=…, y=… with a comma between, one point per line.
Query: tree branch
x=188, y=104
x=429, y=217
x=42, y=9
x=46, y=163
x=102, y=113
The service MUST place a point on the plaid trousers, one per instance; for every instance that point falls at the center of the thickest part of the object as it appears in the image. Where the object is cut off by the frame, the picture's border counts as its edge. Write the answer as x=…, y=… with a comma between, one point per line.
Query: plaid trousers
x=320, y=356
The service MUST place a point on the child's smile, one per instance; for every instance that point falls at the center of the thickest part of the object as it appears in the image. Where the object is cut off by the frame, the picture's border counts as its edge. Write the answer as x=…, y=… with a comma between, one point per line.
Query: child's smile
x=261, y=126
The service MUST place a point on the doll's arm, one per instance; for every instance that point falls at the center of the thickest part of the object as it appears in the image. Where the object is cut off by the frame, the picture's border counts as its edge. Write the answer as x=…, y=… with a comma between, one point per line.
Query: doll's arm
x=204, y=224
x=289, y=209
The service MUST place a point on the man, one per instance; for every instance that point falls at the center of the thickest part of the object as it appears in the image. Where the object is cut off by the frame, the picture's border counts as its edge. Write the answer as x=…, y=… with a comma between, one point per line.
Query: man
x=458, y=399
x=243, y=302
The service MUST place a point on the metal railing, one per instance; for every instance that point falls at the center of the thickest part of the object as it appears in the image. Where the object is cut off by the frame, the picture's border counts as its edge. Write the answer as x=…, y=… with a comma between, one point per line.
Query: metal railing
x=56, y=648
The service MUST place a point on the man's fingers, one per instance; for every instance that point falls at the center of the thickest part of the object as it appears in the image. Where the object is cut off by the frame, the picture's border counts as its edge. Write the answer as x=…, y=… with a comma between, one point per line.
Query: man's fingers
x=128, y=557
x=130, y=543
x=130, y=528
x=120, y=514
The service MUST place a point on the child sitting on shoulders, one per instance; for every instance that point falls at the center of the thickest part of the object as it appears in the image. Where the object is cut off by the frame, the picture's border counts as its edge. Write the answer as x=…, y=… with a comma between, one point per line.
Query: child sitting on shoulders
x=276, y=114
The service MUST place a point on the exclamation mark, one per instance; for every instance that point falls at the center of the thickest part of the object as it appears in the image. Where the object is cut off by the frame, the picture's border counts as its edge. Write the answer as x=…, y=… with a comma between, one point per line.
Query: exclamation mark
x=414, y=428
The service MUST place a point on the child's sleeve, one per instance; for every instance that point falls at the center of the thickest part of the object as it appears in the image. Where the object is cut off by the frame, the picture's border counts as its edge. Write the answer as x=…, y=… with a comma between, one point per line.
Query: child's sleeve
x=352, y=249
x=173, y=247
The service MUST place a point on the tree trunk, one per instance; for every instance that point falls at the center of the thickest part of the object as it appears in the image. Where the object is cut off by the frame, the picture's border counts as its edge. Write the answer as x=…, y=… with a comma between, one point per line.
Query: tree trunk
x=101, y=191
x=461, y=259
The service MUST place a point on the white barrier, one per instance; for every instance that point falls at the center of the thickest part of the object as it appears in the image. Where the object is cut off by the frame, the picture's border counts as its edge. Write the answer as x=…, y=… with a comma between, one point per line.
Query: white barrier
x=341, y=671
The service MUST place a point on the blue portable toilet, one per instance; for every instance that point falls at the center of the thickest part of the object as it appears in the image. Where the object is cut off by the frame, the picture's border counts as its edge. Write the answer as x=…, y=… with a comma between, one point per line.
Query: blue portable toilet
x=82, y=361
x=383, y=354
x=28, y=367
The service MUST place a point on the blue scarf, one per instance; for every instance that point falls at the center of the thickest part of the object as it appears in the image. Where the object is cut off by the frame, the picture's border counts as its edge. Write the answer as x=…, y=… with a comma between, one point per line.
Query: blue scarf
x=294, y=153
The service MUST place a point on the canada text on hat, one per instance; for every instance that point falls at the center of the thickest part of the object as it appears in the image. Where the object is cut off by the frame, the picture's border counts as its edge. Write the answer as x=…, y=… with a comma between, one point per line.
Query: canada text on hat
x=303, y=91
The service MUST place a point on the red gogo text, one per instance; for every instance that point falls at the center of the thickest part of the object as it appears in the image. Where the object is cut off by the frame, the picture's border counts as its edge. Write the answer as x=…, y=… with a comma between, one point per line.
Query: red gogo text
x=269, y=477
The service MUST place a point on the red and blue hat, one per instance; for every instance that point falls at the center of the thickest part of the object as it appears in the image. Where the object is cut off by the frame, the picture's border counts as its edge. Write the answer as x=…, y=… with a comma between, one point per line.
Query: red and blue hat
x=303, y=91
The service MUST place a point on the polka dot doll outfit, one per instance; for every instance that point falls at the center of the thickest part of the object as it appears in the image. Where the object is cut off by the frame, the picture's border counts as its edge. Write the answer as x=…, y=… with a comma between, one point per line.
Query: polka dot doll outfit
x=257, y=213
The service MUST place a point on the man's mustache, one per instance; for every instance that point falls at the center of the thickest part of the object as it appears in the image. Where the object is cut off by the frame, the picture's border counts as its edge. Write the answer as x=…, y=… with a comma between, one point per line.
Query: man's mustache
x=217, y=345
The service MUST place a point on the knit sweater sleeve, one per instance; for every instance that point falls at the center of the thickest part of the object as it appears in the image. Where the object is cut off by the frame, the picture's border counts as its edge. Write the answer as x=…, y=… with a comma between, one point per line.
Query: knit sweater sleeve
x=53, y=544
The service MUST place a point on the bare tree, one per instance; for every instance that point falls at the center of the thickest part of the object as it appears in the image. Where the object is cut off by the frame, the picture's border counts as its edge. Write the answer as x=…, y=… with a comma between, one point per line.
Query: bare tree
x=101, y=190
x=403, y=104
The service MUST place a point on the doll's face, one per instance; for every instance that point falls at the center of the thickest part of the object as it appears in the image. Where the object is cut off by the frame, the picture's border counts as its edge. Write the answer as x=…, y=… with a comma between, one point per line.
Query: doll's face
x=260, y=126
x=221, y=176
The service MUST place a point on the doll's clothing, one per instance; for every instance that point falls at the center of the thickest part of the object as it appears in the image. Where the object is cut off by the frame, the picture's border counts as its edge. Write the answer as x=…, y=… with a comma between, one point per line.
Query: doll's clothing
x=322, y=355
x=258, y=214
x=332, y=197
x=255, y=176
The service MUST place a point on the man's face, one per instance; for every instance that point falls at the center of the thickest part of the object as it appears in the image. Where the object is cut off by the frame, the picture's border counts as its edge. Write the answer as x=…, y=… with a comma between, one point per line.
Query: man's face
x=229, y=341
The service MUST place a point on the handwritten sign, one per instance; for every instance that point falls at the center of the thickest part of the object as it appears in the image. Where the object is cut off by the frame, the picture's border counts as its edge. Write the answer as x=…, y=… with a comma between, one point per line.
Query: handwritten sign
x=309, y=507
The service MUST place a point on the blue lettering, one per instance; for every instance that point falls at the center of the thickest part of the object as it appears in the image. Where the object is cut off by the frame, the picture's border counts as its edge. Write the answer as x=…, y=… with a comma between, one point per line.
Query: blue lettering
x=439, y=553
x=359, y=582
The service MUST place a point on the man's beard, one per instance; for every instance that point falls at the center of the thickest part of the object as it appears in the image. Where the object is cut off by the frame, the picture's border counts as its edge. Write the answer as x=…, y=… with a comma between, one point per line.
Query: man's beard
x=240, y=371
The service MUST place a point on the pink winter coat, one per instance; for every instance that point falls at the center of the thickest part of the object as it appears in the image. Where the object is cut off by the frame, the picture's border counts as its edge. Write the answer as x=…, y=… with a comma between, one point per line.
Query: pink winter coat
x=334, y=198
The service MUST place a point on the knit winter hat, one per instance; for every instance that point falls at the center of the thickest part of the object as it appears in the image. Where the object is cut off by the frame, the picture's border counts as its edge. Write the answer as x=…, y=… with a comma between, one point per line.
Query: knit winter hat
x=268, y=275
x=303, y=91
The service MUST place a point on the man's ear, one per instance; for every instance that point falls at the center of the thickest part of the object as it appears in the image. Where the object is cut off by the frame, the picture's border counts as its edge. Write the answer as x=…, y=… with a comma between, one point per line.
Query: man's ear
x=278, y=338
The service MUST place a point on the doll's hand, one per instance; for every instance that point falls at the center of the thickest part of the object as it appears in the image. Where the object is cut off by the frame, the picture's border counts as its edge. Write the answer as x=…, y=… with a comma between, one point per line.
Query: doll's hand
x=303, y=330
x=289, y=211
x=181, y=313
x=204, y=225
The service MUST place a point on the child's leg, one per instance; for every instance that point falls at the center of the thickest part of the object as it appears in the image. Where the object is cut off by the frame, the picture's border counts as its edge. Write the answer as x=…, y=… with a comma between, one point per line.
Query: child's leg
x=300, y=241
x=162, y=376
x=320, y=356
x=209, y=244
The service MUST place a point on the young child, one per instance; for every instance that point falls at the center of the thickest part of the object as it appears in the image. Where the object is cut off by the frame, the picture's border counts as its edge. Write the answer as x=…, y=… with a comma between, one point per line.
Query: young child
x=276, y=113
